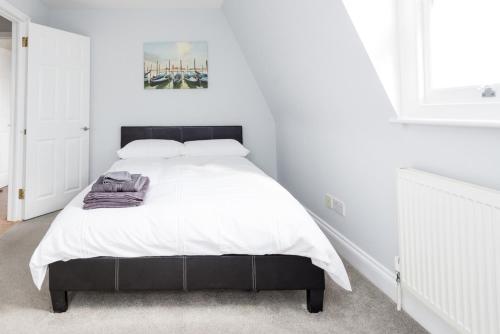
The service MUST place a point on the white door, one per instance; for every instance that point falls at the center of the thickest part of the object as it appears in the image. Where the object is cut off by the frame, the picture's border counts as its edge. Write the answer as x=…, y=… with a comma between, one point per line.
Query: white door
x=5, y=64
x=57, y=119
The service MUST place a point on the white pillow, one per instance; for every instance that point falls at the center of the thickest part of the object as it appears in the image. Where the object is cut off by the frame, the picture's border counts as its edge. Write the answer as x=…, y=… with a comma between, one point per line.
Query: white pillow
x=215, y=147
x=151, y=148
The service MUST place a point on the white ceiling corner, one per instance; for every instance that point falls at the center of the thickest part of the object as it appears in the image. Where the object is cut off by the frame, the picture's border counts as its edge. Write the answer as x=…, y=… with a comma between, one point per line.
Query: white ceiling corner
x=138, y=4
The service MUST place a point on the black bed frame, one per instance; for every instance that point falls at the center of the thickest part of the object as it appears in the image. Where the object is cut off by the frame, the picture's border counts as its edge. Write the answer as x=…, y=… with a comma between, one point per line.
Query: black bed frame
x=242, y=272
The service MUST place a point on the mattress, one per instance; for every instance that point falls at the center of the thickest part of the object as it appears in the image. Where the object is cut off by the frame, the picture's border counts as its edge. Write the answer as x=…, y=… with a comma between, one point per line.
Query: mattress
x=194, y=206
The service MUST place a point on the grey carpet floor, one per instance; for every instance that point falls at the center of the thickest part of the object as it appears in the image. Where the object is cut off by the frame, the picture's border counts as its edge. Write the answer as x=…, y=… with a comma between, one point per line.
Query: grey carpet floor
x=24, y=309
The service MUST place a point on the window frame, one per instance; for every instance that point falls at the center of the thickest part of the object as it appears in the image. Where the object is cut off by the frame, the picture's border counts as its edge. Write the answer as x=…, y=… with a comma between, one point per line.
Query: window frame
x=418, y=104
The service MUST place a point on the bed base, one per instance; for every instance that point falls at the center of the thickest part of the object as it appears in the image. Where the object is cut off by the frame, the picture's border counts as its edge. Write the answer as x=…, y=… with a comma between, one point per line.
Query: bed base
x=188, y=273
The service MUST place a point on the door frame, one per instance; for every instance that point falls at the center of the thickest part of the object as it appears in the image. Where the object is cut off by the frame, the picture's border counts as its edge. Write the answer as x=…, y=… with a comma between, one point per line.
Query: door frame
x=20, y=21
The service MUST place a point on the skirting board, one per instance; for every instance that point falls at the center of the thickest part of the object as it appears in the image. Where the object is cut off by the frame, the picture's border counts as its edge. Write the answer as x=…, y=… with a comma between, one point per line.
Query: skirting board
x=373, y=270
x=382, y=278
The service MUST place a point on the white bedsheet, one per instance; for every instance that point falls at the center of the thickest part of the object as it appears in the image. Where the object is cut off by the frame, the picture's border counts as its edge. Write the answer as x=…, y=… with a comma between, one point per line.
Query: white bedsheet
x=194, y=206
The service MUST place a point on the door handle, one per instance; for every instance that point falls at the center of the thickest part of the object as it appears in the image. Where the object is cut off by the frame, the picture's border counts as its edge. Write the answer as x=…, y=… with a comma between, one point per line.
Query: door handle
x=85, y=128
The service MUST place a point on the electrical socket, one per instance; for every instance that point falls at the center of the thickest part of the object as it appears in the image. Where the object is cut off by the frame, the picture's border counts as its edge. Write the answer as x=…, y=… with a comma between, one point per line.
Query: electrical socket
x=335, y=204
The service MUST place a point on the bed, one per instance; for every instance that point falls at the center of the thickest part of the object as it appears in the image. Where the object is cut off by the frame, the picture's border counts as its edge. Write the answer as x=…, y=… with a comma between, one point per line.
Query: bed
x=207, y=223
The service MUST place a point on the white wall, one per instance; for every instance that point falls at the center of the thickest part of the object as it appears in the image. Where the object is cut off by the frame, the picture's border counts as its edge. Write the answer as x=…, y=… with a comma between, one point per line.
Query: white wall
x=333, y=129
x=35, y=9
x=117, y=94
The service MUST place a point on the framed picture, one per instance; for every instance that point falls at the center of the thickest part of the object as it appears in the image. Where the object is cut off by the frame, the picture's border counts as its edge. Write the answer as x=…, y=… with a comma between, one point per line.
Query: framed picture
x=176, y=65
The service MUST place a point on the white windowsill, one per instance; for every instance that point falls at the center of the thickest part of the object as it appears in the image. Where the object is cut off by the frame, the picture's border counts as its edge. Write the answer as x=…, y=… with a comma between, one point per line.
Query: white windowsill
x=446, y=122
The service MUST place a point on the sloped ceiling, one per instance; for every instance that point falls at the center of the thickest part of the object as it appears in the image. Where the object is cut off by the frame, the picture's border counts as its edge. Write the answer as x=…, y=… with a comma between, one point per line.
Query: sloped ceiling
x=376, y=25
x=330, y=108
x=303, y=54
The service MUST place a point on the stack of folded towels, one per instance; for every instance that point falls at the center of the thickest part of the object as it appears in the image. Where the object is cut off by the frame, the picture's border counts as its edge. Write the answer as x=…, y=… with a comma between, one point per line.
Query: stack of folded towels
x=118, y=189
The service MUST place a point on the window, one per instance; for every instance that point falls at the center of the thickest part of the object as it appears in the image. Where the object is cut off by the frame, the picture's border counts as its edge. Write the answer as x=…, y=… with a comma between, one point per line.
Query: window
x=450, y=59
x=463, y=51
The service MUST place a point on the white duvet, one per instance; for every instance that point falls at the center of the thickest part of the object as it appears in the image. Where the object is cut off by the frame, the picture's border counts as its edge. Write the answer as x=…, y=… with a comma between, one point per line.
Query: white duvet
x=194, y=206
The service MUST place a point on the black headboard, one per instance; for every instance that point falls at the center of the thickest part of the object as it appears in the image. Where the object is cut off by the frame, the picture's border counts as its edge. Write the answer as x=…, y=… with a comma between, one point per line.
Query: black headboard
x=180, y=133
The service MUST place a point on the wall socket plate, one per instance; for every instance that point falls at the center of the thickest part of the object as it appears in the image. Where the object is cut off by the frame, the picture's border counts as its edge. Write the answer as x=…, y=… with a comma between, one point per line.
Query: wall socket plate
x=335, y=204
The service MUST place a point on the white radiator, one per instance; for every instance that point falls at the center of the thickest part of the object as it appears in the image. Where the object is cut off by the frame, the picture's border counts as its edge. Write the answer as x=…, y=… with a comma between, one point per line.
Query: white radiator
x=449, y=234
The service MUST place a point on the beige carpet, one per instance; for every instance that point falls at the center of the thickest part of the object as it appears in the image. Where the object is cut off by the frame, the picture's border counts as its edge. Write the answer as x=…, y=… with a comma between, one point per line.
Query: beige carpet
x=24, y=309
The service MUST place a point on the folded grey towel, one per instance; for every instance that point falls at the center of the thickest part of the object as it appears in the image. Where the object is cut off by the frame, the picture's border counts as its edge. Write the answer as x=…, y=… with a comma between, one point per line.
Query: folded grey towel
x=135, y=184
x=110, y=205
x=118, y=176
x=121, y=197
x=95, y=200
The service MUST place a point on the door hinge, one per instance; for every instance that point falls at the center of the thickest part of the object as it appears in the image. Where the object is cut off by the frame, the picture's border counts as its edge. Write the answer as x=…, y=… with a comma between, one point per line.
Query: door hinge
x=24, y=132
x=21, y=193
x=25, y=41
x=399, y=300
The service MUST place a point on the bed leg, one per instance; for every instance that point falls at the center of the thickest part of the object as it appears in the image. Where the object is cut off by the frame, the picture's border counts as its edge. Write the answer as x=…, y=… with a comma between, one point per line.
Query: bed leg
x=59, y=300
x=315, y=300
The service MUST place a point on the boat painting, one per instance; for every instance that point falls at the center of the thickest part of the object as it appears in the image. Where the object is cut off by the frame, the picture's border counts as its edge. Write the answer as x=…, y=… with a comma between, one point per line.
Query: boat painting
x=159, y=79
x=176, y=65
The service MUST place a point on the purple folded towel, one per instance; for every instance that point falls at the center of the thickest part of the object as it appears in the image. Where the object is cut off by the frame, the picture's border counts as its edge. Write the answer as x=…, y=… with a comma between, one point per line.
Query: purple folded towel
x=124, y=199
x=136, y=184
x=117, y=176
x=136, y=196
x=109, y=205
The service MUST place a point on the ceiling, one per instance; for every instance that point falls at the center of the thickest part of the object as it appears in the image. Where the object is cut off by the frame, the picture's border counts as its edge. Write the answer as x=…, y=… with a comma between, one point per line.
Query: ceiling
x=168, y=4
